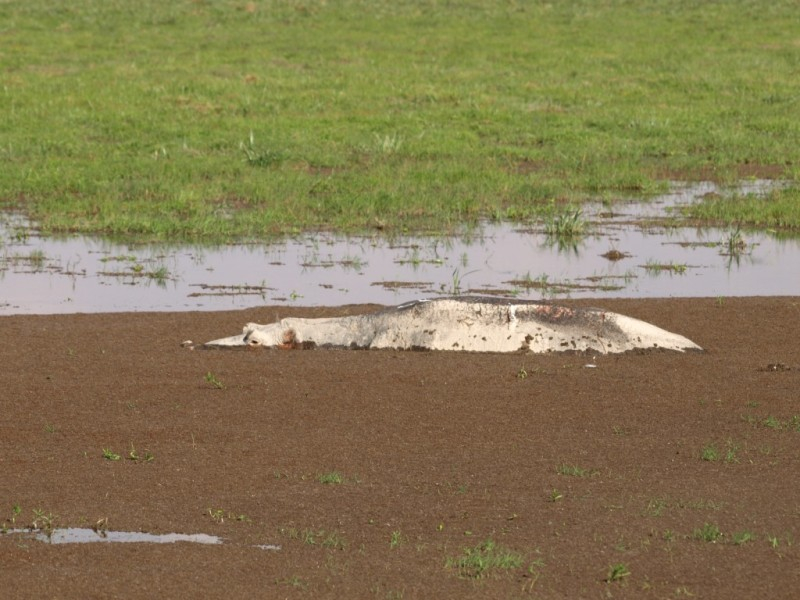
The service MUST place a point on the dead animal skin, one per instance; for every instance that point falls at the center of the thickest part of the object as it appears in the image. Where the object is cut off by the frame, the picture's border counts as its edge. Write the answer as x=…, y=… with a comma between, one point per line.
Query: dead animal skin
x=475, y=324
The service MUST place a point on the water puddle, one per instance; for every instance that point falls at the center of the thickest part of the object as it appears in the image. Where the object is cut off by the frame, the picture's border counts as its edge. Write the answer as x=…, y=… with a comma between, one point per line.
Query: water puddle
x=632, y=250
x=79, y=535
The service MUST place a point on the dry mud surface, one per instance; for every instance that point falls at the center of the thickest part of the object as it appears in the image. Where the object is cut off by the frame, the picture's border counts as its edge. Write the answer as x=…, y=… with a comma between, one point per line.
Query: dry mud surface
x=574, y=469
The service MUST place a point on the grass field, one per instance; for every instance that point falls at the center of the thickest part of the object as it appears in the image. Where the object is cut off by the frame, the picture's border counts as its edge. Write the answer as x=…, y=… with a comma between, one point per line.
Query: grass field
x=219, y=119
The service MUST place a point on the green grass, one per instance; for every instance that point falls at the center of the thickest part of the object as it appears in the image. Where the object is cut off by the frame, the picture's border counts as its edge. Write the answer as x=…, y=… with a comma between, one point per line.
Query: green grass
x=707, y=533
x=617, y=572
x=780, y=209
x=334, y=477
x=214, y=381
x=213, y=120
x=484, y=559
x=575, y=471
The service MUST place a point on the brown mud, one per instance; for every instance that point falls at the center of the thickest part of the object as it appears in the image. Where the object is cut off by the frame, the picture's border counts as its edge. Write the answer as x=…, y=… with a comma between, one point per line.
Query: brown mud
x=649, y=475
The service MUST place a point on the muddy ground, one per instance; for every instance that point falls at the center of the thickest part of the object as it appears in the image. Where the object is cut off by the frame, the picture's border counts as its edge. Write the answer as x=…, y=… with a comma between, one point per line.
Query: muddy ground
x=653, y=475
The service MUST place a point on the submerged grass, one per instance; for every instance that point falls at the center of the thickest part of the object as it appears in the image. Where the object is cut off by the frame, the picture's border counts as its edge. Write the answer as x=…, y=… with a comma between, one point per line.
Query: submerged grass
x=225, y=119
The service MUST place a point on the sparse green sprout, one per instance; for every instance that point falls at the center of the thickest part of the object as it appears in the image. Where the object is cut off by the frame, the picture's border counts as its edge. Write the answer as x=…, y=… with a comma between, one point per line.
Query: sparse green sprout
x=333, y=540
x=709, y=453
x=743, y=537
x=555, y=495
x=734, y=244
x=396, y=539
x=708, y=533
x=617, y=572
x=730, y=453
x=656, y=506
x=575, y=471
x=43, y=522
x=568, y=224
x=212, y=379
x=477, y=562
x=522, y=373
x=216, y=514
x=50, y=428
x=293, y=581
x=656, y=267
x=330, y=478
x=109, y=454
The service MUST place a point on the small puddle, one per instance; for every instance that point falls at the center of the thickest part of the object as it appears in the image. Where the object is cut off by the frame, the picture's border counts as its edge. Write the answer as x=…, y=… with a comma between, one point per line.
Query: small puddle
x=79, y=535
x=631, y=251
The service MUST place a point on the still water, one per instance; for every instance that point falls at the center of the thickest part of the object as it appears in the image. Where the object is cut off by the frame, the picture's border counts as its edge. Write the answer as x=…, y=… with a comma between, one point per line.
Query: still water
x=630, y=251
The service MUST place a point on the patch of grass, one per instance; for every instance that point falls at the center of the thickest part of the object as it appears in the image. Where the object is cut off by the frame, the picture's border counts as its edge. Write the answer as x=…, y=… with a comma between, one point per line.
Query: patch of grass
x=135, y=456
x=779, y=209
x=656, y=507
x=16, y=510
x=656, y=267
x=568, y=224
x=742, y=537
x=334, y=477
x=332, y=540
x=734, y=244
x=711, y=452
x=395, y=539
x=617, y=572
x=575, y=471
x=43, y=521
x=214, y=381
x=400, y=122
x=707, y=533
x=485, y=558
x=109, y=454
x=293, y=581
x=219, y=515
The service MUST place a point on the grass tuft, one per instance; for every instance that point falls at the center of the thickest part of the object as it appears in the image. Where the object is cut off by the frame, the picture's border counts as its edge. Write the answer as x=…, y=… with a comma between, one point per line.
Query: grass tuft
x=483, y=559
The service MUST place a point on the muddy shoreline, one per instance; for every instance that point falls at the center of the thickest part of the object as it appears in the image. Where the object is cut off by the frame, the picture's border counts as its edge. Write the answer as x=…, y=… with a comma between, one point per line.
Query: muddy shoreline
x=683, y=468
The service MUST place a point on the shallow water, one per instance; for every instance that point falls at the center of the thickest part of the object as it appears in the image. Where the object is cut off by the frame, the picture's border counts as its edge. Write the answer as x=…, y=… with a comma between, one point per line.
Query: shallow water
x=79, y=535
x=41, y=275
x=82, y=535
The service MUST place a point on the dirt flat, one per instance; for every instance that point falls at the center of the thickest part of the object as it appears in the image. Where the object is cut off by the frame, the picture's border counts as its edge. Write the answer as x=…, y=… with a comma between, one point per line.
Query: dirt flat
x=384, y=474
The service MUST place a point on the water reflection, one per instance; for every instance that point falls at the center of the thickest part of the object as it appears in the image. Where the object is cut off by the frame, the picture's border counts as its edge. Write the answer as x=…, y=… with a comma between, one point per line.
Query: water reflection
x=630, y=252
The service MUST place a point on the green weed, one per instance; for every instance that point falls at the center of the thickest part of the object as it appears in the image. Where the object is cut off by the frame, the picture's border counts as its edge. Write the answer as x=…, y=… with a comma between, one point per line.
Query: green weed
x=707, y=533
x=135, y=456
x=316, y=537
x=484, y=558
x=395, y=539
x=334, y=477
x=656, y=267
x=44, y=522
x=575, y=471
x=219, y=515
x=617, y=572
x=109, y=454
x=569, y=224
x=214, y=381
x=742, y=537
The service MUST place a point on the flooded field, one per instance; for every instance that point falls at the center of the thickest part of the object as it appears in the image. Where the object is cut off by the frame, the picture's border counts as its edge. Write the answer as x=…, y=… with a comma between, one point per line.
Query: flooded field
x=627, y=250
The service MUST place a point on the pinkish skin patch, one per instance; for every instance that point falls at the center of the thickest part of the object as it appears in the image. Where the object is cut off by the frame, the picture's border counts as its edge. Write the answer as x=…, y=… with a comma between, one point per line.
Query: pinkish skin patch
x=555, y=312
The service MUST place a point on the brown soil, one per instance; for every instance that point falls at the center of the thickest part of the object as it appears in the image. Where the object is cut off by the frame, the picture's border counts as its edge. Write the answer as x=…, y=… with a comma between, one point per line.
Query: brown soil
x=443, y=451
